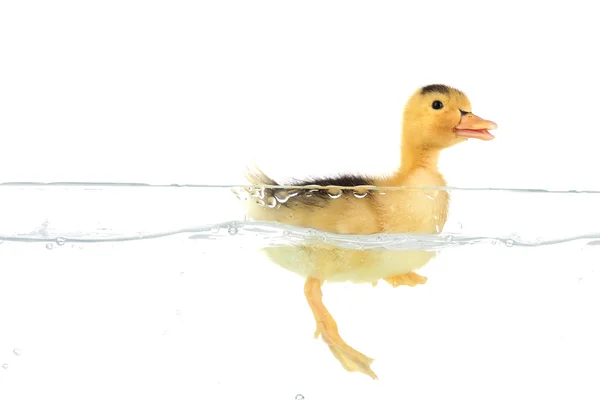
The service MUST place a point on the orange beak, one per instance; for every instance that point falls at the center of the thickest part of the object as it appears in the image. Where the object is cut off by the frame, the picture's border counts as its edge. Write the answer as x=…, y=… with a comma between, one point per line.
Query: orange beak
x=471, y=126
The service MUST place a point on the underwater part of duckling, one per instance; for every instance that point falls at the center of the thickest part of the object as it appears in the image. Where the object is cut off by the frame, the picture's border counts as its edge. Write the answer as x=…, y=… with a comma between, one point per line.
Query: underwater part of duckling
x=435, y=117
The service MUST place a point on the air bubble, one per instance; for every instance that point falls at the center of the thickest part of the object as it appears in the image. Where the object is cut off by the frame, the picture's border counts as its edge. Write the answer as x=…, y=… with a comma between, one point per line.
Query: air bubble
x=334, y=193
x=324, y=237
x=430, y=197
x=509, y=243
x=360, y=193
x=61, y=241
x=49, y=246
x=449, y=238
x=271, y=202
x=282, y=196
x=260, y=203
x=257, y=192
x=215, y=229
x=5, y=366
x=299, y=397
x=233, y=229
x=16, y=352
x=178, y=312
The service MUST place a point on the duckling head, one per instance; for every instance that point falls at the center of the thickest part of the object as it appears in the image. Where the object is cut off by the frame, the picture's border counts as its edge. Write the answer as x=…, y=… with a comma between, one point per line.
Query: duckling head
x=439, y=116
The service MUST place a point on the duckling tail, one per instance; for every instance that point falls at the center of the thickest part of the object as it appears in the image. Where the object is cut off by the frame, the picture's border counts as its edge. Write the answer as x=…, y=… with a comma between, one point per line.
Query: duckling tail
x=257, y=207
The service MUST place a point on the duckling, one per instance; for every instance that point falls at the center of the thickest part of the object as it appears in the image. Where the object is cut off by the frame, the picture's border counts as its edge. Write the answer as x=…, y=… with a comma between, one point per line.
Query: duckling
x=435, y=117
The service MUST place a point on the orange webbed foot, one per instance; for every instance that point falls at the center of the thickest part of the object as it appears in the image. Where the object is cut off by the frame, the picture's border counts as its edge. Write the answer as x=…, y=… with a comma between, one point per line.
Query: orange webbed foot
x=351, y=359
x=408, y=279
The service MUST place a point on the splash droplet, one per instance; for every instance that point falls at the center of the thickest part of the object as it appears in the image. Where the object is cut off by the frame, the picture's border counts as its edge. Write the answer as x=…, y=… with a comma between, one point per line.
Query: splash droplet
x=5, y=366
x=299, y=397
x=271, y=202
x=509, y=243
x=16, y=352
x=61, y=241
x=49, y=246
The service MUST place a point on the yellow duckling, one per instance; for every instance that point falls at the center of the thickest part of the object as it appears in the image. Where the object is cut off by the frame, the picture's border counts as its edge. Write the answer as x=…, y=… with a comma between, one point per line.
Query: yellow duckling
x=435, y=117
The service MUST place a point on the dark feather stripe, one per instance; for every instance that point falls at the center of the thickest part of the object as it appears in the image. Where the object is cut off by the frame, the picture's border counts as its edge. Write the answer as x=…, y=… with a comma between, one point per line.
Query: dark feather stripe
x=317, y=197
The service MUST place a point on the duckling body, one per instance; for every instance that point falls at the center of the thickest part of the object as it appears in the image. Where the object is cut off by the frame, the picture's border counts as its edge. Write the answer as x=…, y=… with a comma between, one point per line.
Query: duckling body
x=436, y=117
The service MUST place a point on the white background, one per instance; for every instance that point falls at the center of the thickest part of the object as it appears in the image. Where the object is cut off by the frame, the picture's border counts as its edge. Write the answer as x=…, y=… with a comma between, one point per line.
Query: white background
x=190, y=92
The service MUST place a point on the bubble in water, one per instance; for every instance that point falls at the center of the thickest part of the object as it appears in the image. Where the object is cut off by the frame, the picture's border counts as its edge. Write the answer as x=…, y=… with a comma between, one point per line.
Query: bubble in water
x=260, y=203
x=299, y=397
x=5, y=366
x=257, y=192
x=334, y=192
x=494, y=242
x=311, y=232
x=233, y=229
x=16, y=352
x=215, y=229
x=449, y=238
x=178, y=312
x=286, y=233
x=271, y=202
x=509, y=243
x=360, y=193
x=324, y=237
x=282, y=196
x=430, y=197
x=49, y=246
x=61, y=241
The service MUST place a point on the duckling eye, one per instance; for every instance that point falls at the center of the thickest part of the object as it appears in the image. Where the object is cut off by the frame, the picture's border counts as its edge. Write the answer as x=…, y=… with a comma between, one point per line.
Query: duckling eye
x=437, y=105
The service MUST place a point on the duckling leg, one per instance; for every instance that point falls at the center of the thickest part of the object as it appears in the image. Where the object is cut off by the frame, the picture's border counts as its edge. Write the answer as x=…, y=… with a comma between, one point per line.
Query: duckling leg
x=410, y=279
x=350, y=359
